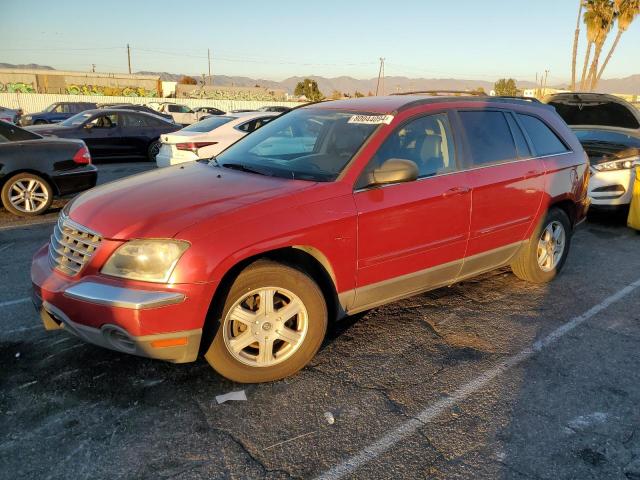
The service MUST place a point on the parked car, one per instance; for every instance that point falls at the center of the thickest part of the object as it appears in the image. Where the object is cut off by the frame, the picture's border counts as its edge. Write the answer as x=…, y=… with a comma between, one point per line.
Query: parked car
x=136, y=108
x=113, y=134
x=208, y=137
x=55, y=113
x=34, y=170
x=272, y=108
x=10, y=115
x=181, y=114
x=609, y=129
x=248, y=257
x=203, y=112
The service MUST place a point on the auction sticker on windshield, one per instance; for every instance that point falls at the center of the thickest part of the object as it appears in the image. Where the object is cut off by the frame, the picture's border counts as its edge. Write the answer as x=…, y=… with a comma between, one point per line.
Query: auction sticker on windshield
x=371, y=119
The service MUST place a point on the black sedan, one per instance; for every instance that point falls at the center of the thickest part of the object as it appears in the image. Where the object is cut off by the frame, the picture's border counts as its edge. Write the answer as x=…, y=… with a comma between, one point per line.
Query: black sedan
x=136, y=108
x=113, y=134
x=34, y=169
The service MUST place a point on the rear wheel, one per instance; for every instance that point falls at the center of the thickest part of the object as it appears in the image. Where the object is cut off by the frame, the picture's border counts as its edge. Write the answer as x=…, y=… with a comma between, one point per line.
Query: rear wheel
x=544, y=255
x=152, y=151
x=27, y=195
x=273, y=322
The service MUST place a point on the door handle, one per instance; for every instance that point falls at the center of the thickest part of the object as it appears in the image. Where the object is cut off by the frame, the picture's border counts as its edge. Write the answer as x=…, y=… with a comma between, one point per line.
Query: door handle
x=456, y=191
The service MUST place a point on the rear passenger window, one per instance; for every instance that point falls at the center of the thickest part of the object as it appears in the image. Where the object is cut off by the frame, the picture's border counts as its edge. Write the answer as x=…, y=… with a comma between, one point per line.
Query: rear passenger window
x=489, y=137
x=545, y=142
x=518, y=136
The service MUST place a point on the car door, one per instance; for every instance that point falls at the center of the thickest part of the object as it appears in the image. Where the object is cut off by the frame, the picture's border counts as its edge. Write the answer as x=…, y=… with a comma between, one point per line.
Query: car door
x=60, y=113
x=507, y=186
x=137, y=132
x=101, y=133
x=412, y=236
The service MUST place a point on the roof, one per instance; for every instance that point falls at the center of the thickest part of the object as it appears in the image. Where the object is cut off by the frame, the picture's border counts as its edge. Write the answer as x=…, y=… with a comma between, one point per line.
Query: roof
x=393, y=103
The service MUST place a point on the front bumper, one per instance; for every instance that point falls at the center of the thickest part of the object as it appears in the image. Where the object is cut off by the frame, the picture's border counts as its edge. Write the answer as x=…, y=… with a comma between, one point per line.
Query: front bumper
x=163, y=323
x=612, y=188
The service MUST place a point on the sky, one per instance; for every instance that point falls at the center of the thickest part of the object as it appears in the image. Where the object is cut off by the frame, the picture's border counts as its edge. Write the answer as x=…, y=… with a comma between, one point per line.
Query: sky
x=276, y=39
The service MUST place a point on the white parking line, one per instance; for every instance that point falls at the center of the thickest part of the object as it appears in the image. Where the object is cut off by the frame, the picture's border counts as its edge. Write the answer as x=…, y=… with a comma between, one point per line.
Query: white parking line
x=408, y=428
x=30, y=224
x=8, y=303
x=4, y=247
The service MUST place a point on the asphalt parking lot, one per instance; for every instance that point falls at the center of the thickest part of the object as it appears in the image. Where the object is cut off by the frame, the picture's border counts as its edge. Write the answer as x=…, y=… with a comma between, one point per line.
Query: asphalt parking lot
x=491, y=378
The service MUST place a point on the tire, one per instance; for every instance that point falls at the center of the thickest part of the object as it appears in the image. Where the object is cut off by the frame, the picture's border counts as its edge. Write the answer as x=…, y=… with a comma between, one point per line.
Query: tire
x=38, y=200
x=294, y=290
x=40, y=122
x=153, y=149
x=531, y=264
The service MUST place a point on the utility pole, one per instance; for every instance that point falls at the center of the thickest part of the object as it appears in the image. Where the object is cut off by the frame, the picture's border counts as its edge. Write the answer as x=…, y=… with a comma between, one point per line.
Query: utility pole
x=544, y=86
x=93, y=68
x=129, y=57
x=380, y=76
x=209, y=58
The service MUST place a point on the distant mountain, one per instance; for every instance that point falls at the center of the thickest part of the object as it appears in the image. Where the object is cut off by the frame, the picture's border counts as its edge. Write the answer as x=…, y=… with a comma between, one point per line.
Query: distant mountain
x=628, y=85
x=27, y=66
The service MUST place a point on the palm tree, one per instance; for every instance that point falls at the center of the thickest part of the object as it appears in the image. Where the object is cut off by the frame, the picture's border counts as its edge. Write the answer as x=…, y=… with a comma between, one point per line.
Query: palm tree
x=575, y=48
x=593, y=22
x=606, y=13
x=627, y=11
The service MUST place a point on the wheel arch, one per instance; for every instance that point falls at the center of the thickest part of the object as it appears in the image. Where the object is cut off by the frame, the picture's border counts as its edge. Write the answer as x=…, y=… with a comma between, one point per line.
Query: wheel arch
x=306, y=258
x=32, y=171
x=567, y=206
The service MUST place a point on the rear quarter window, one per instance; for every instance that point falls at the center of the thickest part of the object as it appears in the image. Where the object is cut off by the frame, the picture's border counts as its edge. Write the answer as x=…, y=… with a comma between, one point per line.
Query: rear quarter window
x=545, y=141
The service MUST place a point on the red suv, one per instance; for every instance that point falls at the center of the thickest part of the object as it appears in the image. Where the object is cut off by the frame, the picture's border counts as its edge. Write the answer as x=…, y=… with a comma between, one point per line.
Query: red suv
x=331, y=209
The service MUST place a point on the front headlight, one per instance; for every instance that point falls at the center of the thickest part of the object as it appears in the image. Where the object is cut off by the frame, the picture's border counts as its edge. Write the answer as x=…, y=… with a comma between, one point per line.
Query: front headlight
x=146, y=260
x=623, y=164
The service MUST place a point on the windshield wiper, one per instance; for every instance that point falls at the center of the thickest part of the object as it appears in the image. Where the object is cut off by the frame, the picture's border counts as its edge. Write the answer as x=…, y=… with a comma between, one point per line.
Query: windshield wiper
x=243, y=168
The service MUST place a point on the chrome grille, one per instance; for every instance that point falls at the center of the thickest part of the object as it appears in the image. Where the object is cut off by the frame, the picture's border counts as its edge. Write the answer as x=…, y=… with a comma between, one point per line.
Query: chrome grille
x=71, y=246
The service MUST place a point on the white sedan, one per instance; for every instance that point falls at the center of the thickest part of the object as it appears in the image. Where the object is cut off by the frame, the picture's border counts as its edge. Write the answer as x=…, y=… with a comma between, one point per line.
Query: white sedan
x=208, y=137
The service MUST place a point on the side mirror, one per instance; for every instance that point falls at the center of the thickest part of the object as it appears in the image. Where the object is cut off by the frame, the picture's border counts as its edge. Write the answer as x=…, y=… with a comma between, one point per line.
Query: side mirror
x=394, y=170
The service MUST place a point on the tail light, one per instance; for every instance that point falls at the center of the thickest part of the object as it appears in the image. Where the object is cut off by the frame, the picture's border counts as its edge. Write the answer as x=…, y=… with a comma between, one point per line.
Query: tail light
x=193, y=146
x=82, y=156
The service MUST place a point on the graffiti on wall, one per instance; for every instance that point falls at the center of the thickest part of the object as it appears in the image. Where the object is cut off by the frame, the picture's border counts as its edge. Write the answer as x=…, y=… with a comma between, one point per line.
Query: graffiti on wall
x=110, y=91
x=251, y=95
x=17, y=87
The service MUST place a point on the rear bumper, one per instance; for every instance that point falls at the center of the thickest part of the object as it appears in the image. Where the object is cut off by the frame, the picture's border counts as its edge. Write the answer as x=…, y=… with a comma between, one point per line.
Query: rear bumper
x=164, y=159
x=76, y=180
x=155, y=321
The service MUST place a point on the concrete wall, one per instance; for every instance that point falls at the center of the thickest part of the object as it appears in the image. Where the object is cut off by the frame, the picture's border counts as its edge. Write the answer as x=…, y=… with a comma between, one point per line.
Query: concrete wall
x=36, y=102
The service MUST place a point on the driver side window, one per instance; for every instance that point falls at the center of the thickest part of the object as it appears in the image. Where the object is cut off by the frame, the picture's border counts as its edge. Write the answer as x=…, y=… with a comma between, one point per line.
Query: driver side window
x=427, y=141
x=105, y=121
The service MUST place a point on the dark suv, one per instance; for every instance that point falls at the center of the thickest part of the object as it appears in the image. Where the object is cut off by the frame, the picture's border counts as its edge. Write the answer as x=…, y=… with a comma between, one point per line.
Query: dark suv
x=328, y=210
x=55, y=113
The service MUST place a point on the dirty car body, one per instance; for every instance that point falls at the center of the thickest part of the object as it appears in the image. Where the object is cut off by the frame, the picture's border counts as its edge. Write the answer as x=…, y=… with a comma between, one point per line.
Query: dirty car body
x=328, y=210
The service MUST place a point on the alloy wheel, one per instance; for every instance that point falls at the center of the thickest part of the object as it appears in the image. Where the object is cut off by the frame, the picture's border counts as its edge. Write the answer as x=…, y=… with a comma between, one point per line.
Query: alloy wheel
x=28, y=195
x=551, y=246
x=265, y=327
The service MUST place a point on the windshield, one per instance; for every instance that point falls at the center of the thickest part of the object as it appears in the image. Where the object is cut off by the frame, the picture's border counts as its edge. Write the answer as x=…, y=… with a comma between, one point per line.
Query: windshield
x=51, y=107
x=208, y=124
x=604, y=136
x=308, y=144
x=76, y=120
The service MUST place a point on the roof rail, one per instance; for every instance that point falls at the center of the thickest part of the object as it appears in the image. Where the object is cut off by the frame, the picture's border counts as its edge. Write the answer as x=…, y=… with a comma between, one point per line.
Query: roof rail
x=443, y=92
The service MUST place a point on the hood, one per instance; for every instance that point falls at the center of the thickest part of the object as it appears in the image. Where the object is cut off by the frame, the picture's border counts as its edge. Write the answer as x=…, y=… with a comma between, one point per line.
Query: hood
x=601, y=152
x=161, y=203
